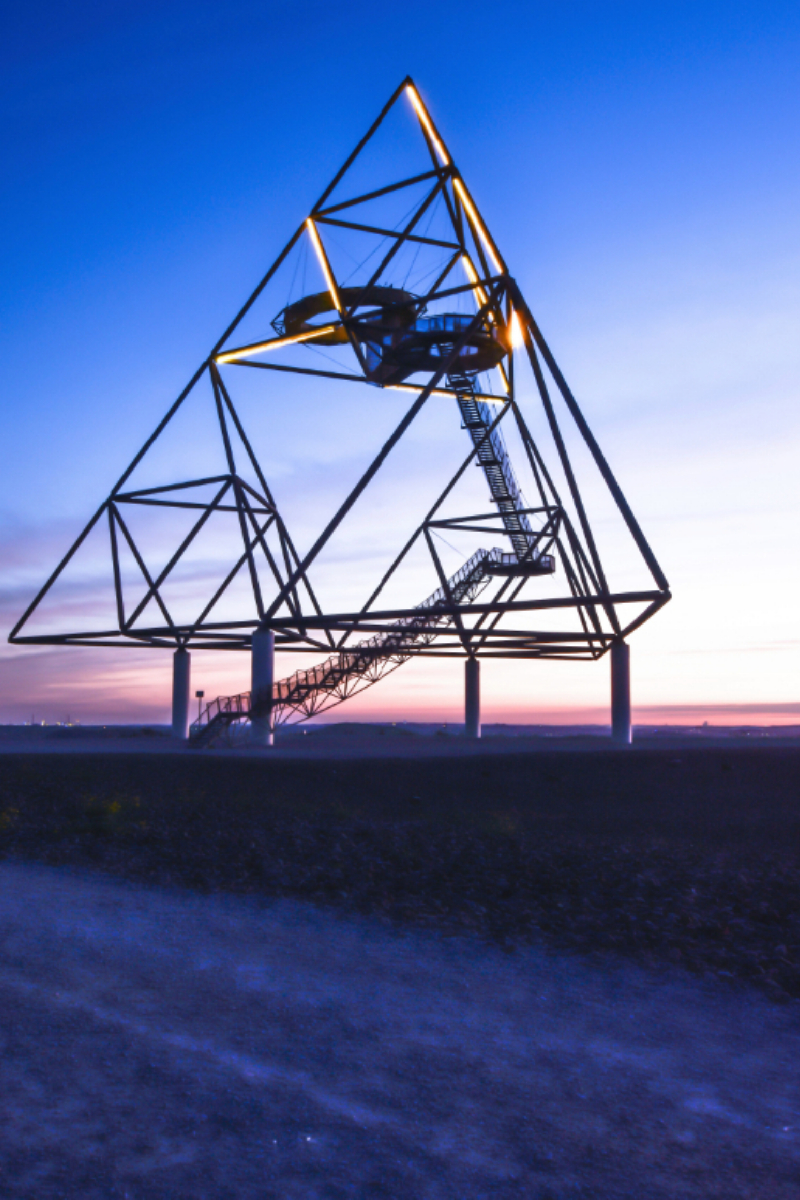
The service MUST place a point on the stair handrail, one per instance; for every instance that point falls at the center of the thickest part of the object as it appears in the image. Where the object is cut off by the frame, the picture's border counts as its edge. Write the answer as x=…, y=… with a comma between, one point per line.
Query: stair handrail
x=390, y=642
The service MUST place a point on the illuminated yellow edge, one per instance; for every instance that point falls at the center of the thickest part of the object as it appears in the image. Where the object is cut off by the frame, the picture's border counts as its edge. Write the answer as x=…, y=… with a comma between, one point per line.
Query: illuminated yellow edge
x=419, y=108
x=273, y=344
x=469, y=267
x=323, y=262
x=476, y=221
x=502, y=371
x=410, y=387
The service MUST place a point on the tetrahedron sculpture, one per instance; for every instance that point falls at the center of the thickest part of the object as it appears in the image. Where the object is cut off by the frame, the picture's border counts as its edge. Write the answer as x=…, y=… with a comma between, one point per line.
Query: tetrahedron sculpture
x=392, y=282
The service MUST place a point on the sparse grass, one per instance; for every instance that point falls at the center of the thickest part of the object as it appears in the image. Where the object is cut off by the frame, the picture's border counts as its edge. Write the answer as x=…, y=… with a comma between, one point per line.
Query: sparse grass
x=691, y=859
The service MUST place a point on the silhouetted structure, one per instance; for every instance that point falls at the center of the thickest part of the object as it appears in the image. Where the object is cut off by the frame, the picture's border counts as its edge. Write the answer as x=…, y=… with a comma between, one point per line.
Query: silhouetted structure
x=387, y=334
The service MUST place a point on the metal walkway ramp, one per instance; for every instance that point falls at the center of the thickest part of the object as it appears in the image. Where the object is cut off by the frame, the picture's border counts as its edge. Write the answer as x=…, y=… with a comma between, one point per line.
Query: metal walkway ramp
x=307, y=693
x=478, y=417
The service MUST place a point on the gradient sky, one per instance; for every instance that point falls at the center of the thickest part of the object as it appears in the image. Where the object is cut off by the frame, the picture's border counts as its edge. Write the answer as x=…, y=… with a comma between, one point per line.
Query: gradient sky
x=638, y=165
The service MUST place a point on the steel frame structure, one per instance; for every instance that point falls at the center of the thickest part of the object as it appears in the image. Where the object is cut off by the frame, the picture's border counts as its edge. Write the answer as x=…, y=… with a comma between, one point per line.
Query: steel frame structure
x=456, y=624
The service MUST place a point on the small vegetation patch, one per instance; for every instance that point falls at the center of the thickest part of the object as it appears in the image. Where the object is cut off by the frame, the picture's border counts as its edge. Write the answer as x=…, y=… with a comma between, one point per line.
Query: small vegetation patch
x=691, y=861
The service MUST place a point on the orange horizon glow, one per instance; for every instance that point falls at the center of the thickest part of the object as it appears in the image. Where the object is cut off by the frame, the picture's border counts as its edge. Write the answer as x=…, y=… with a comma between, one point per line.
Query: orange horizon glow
x=691, y=715
x=119, y=708
x=134, y=687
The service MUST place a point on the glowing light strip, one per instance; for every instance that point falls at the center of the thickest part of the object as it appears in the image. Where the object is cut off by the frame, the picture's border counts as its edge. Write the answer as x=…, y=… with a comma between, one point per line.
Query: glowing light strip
x=483, y=299
x=323, y=262
x=419, y=108
x=409, y=387
x=476, y=221
x=273, y=344
x=473, y=278
x=504, y=378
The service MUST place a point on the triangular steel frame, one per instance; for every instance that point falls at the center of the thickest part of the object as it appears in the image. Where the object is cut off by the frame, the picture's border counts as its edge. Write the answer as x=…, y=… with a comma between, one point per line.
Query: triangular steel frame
x=472, y=628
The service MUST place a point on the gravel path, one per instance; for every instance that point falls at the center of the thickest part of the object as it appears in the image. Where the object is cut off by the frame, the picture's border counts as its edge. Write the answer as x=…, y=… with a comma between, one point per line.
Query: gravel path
x=158, y=1043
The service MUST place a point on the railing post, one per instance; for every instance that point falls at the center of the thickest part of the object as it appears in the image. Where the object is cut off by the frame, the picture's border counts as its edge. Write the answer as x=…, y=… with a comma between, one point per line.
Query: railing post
x=181, y=674
x=472, y=698
x=263, y=677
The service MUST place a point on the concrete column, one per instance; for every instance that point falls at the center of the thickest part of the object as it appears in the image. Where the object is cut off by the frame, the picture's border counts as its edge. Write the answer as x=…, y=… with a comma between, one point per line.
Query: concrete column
x=263, y=676
x=621, y=693
x=472, y=698
x=181, y=675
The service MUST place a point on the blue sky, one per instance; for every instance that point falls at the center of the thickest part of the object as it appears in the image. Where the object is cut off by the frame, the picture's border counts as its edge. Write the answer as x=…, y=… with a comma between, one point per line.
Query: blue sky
x=638, y=166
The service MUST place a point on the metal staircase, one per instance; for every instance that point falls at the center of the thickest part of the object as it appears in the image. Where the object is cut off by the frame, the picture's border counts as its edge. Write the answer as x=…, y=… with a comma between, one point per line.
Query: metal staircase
x=478, y=416
x=307, y=693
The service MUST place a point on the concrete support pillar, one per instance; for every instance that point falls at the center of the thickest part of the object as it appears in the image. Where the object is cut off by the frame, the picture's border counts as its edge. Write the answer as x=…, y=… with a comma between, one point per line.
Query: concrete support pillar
x=621, y=693
x=263, y=676
x=181, y=675
x=472, y=698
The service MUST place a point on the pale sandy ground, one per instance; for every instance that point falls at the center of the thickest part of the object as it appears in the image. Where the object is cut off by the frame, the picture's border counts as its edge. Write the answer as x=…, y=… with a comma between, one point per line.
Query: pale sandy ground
x=158, y=1043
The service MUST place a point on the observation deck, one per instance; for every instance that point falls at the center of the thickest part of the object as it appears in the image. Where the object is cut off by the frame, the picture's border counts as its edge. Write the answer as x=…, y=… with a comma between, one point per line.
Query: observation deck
x=397, y=341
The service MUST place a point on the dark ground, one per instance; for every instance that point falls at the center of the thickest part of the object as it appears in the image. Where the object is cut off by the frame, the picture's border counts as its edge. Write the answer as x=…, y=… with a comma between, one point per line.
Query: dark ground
x=684, y=855
x=159, y=1044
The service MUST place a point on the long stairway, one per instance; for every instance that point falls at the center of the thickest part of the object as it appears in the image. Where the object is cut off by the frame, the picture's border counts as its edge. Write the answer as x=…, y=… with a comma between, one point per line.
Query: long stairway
x=478, y=416
x=308, y=693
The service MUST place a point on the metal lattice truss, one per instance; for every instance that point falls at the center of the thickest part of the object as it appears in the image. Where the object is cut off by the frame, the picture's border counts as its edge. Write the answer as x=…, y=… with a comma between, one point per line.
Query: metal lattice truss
x=394, y=336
